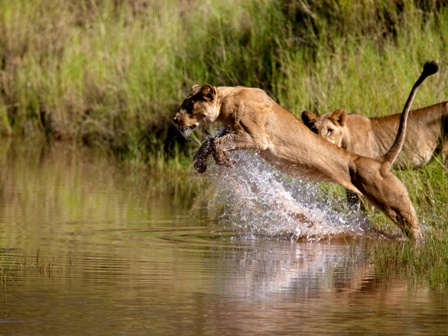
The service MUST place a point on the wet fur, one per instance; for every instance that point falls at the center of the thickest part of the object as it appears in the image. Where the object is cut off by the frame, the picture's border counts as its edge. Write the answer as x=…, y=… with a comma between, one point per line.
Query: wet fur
x=256, y=122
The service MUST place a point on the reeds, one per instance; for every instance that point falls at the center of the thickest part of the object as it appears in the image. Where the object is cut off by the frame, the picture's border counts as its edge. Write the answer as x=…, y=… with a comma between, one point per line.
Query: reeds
x=424, y=264
x=15, y=266
x=112, y=73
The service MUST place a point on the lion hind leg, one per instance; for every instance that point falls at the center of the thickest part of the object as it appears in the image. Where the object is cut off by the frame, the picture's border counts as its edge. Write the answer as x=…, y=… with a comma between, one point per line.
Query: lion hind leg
x=392, y=198
x=444, y=150
x=356, y=202
x=406, y=219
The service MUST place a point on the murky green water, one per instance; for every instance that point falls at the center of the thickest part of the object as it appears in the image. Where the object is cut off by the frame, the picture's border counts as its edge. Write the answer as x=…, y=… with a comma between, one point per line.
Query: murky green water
x=87, y=247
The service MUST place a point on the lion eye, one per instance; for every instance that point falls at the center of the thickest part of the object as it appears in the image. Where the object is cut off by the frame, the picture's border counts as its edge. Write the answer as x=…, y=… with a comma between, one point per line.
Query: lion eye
x=329, y=131
x=190, y=107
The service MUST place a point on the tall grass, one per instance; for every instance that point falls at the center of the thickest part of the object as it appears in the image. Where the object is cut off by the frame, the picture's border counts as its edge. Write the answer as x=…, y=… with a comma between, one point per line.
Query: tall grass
x=425, y=264
x=112, y=72
x=15, y=266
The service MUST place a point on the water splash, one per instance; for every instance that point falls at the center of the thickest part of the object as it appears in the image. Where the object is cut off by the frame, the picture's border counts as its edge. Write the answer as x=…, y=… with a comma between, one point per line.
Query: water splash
x=259, y=201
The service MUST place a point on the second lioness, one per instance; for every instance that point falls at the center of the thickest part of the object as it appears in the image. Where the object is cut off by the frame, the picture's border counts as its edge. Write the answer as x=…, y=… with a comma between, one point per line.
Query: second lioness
x=427, y=133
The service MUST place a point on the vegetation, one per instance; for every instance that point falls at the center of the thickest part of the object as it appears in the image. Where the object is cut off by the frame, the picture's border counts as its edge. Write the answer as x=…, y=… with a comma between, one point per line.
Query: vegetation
x=111, y=73
x=425, y=264
x=15, y=266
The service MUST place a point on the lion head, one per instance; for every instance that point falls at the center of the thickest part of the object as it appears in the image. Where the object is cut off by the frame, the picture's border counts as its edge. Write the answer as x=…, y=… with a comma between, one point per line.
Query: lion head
x=330, y=126
x=199, y=108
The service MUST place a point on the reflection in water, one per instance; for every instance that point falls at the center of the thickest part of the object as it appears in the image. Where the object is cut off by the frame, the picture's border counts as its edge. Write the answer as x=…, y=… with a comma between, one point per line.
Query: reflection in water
x=87, y=247
x=304, y=268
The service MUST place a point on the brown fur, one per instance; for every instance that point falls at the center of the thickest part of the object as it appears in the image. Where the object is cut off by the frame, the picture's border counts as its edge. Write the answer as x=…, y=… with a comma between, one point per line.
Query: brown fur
x=427, y=133
x=256, y=122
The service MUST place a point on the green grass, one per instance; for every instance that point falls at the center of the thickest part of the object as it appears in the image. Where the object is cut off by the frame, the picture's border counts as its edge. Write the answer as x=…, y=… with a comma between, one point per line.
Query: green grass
x=424, y=264
x=112, y=73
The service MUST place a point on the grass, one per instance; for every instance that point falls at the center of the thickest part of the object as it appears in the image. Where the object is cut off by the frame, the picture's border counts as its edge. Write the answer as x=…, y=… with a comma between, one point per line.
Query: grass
x=111, y=73
x=425, y=264
x=14, y=266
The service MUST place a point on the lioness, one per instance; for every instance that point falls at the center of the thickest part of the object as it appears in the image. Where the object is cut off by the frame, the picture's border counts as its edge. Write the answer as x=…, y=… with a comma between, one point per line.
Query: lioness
x=256, y=122
x=427, y=133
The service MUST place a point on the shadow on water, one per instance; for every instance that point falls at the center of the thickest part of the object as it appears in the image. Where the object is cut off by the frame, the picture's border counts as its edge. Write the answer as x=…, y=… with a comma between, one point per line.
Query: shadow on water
x=90, y=247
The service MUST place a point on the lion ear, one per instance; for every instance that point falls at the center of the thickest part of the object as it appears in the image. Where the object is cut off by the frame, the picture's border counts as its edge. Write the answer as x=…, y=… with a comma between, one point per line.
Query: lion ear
x=339, y=117
x=309, y=118
x=208, y=92
x=194, y=89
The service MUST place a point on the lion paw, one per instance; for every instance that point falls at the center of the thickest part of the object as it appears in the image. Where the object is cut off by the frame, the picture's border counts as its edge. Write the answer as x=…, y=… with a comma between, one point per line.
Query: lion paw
x=200, y=166
x=200, y=159
x=229, y=162
x=223, y=160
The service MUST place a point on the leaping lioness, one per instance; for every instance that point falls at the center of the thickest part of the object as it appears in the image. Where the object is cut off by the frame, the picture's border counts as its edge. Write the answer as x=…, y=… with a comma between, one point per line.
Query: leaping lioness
x=255, y=122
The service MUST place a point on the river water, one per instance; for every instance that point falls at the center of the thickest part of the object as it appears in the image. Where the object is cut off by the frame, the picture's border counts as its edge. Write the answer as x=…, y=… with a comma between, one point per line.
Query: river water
x=90, y=247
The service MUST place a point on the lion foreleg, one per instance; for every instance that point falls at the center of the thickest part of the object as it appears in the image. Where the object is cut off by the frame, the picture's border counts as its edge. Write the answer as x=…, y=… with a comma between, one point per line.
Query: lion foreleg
x=219, y=148
x=230, y=142
x=220, y=145
x=200, y=159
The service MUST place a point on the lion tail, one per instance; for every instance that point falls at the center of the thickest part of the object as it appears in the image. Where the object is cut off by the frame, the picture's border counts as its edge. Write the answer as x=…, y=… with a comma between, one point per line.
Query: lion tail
x=429, y=69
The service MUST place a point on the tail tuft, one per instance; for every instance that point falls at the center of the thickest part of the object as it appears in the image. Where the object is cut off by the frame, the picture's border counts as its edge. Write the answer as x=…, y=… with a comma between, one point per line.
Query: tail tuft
x=430, y=68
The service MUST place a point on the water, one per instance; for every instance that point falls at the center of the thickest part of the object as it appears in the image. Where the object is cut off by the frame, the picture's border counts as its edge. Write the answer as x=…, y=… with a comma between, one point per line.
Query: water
x=89, y=247
x=260, y=200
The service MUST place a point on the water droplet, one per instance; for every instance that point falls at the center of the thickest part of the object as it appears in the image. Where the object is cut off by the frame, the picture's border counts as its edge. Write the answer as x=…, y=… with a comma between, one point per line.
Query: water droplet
x=263, y=202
